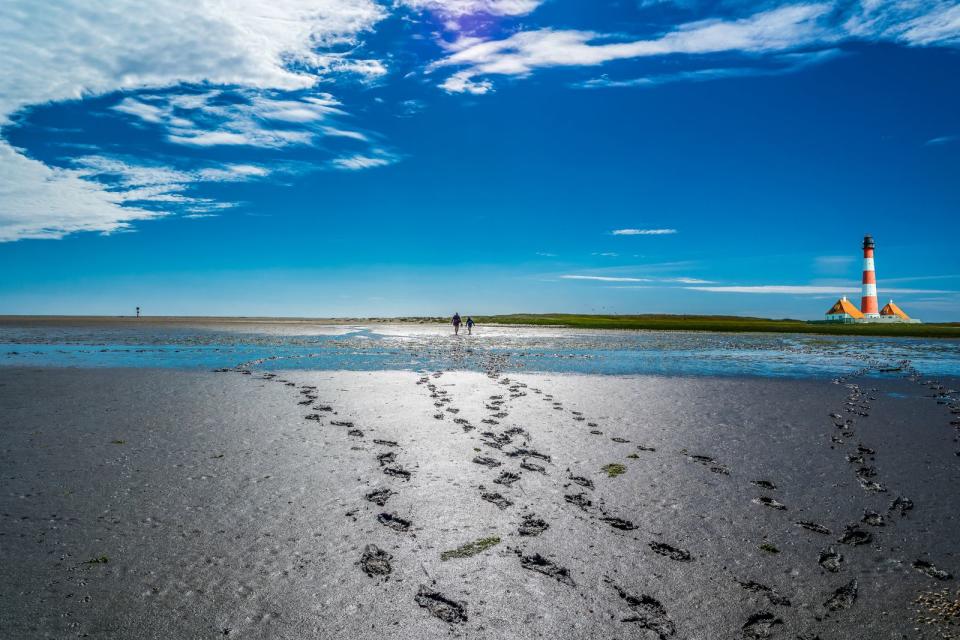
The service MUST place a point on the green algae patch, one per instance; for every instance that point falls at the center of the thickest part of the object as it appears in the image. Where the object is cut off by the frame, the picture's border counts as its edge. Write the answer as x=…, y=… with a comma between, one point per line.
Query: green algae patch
x=633, y=456
x=471, y=548
x=98, y=560
x=614, y=469
x=769, y=548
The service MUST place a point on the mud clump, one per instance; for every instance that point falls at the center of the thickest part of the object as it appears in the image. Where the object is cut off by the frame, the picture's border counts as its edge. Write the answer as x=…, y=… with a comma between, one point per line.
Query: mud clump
x=619, y=523
x=379, y=496
x=648, y=613
x=538, y=563
x=506, y=478
x=494, y=498
x=397, y=472
x=901, y=505
x=770, y=502
x=772, y=594
x=761, y=625
x=844, y=597
x=532, y=466
x=674, y=553
x=450, y=611
x=813, y=526
x=854, y=535
x=830, y=560
x=532, y=526
x=394, y=522
x=375, y=561
x=583, y=482
x=928, y=568
x=579, y=500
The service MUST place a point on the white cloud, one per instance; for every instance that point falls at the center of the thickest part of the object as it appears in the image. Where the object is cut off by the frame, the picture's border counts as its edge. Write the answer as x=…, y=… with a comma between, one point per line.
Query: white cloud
x=605, y=278
x=458, y=8
x=518, y=55
x=359, y=161
x=805, y=289
x=643, y=232
x=71, y=49
x=942, y=140
x=782, y=30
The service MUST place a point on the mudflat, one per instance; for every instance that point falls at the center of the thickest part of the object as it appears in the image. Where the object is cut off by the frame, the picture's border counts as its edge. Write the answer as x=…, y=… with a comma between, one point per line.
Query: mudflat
x=162, y=503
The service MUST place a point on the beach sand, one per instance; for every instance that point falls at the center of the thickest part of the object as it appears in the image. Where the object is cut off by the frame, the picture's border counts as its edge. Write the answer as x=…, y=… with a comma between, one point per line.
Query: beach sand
x=147, y=503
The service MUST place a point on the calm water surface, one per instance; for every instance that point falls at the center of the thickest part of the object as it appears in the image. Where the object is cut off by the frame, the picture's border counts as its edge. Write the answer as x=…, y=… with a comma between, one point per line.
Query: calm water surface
x=429, y=347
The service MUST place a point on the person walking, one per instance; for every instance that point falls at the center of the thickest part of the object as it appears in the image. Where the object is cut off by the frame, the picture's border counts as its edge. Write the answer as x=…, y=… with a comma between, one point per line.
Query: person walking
x=470, y=324
x=456, y=323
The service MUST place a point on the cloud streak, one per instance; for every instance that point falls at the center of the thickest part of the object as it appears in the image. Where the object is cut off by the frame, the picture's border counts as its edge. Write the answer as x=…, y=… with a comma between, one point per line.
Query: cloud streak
x=779, y=289
x=643, y=232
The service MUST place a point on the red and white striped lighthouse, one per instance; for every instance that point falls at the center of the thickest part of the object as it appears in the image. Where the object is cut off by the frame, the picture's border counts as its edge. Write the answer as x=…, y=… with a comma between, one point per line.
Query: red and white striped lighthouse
x=868, y=303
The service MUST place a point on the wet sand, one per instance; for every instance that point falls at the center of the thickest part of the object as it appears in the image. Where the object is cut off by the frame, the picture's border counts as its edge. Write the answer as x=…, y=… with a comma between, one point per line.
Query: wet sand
x=171, y=504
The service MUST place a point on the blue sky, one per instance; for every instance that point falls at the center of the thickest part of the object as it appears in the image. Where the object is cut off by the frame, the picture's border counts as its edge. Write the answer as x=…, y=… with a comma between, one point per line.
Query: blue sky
x=413, y=157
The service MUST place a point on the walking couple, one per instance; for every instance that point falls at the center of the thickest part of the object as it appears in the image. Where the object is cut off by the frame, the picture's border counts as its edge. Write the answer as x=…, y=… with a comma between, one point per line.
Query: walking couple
x=457, y=322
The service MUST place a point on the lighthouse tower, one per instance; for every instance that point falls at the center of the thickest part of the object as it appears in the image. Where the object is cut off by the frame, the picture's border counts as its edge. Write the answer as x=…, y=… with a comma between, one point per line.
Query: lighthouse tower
x=868, y=301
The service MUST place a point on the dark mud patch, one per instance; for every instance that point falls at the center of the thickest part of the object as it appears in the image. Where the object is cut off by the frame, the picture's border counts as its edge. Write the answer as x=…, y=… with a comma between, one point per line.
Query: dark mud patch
x=770, y=502
x=831, y=560
x=507, y=478
x=579, y=500
x=771, y=594
x=375, y=561
x=532, y=526
x=707, y=461
x=764, y=484
x=648, y=613
x=901, y=505
x=538, y=563
x=620, y=440
x=929, y=569
x=397, y=472
x=761, y=625
x=486, y=461
x=379, y=496
x=843, y=598
x=854, y=535
x=528, y=453
x=439, y=606
x=385, y=443
x=341, y=423
x=532, y=466
x=813, y=526
x=386, y=458
x=394, y=522
x=583, y=482
x=670, y=551
x=471, y=548
x=619, y=523
x=873, y=519
x=494, y=498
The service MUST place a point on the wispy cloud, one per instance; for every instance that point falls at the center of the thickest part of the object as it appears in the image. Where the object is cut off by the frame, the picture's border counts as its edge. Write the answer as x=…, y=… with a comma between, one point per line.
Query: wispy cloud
x=604, y=278
x=804, y=289
x=774, y=65
x=680, y=280
x=933, y=142
x=359, y=161
x=520, y=54
x=643, y=232
x=799, y=34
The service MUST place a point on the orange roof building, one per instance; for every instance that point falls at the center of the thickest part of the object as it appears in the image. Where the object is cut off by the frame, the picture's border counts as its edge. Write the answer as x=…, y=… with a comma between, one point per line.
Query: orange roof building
x=844, y=311
x=890, y=309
